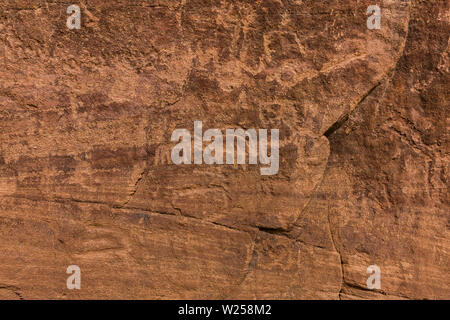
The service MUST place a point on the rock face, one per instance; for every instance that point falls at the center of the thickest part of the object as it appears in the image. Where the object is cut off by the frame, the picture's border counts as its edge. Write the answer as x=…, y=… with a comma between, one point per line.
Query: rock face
x=86, y=176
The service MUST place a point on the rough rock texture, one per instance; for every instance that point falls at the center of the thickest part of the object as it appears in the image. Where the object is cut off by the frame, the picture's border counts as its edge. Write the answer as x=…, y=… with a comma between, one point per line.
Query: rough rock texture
x=86, y=177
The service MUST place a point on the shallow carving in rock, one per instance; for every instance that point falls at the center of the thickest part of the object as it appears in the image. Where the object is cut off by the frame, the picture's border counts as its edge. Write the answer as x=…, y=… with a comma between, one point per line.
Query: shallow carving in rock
x=86, y=177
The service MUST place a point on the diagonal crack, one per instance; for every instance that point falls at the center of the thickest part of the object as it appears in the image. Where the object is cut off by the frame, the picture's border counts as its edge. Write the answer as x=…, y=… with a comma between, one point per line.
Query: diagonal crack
x=343, y=119
x=338, y=252
x=133, y=192
x=14, y=289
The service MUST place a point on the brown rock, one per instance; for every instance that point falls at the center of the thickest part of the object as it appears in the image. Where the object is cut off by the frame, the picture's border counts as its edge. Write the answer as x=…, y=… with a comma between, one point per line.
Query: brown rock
x=86, y=177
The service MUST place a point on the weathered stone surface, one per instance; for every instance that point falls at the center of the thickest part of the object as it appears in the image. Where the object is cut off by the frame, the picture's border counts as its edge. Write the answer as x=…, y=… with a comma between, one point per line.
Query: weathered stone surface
x=86, y=178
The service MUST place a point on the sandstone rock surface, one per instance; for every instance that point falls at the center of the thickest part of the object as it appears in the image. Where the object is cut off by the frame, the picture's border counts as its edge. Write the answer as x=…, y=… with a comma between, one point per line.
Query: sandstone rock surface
x=86, y=178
